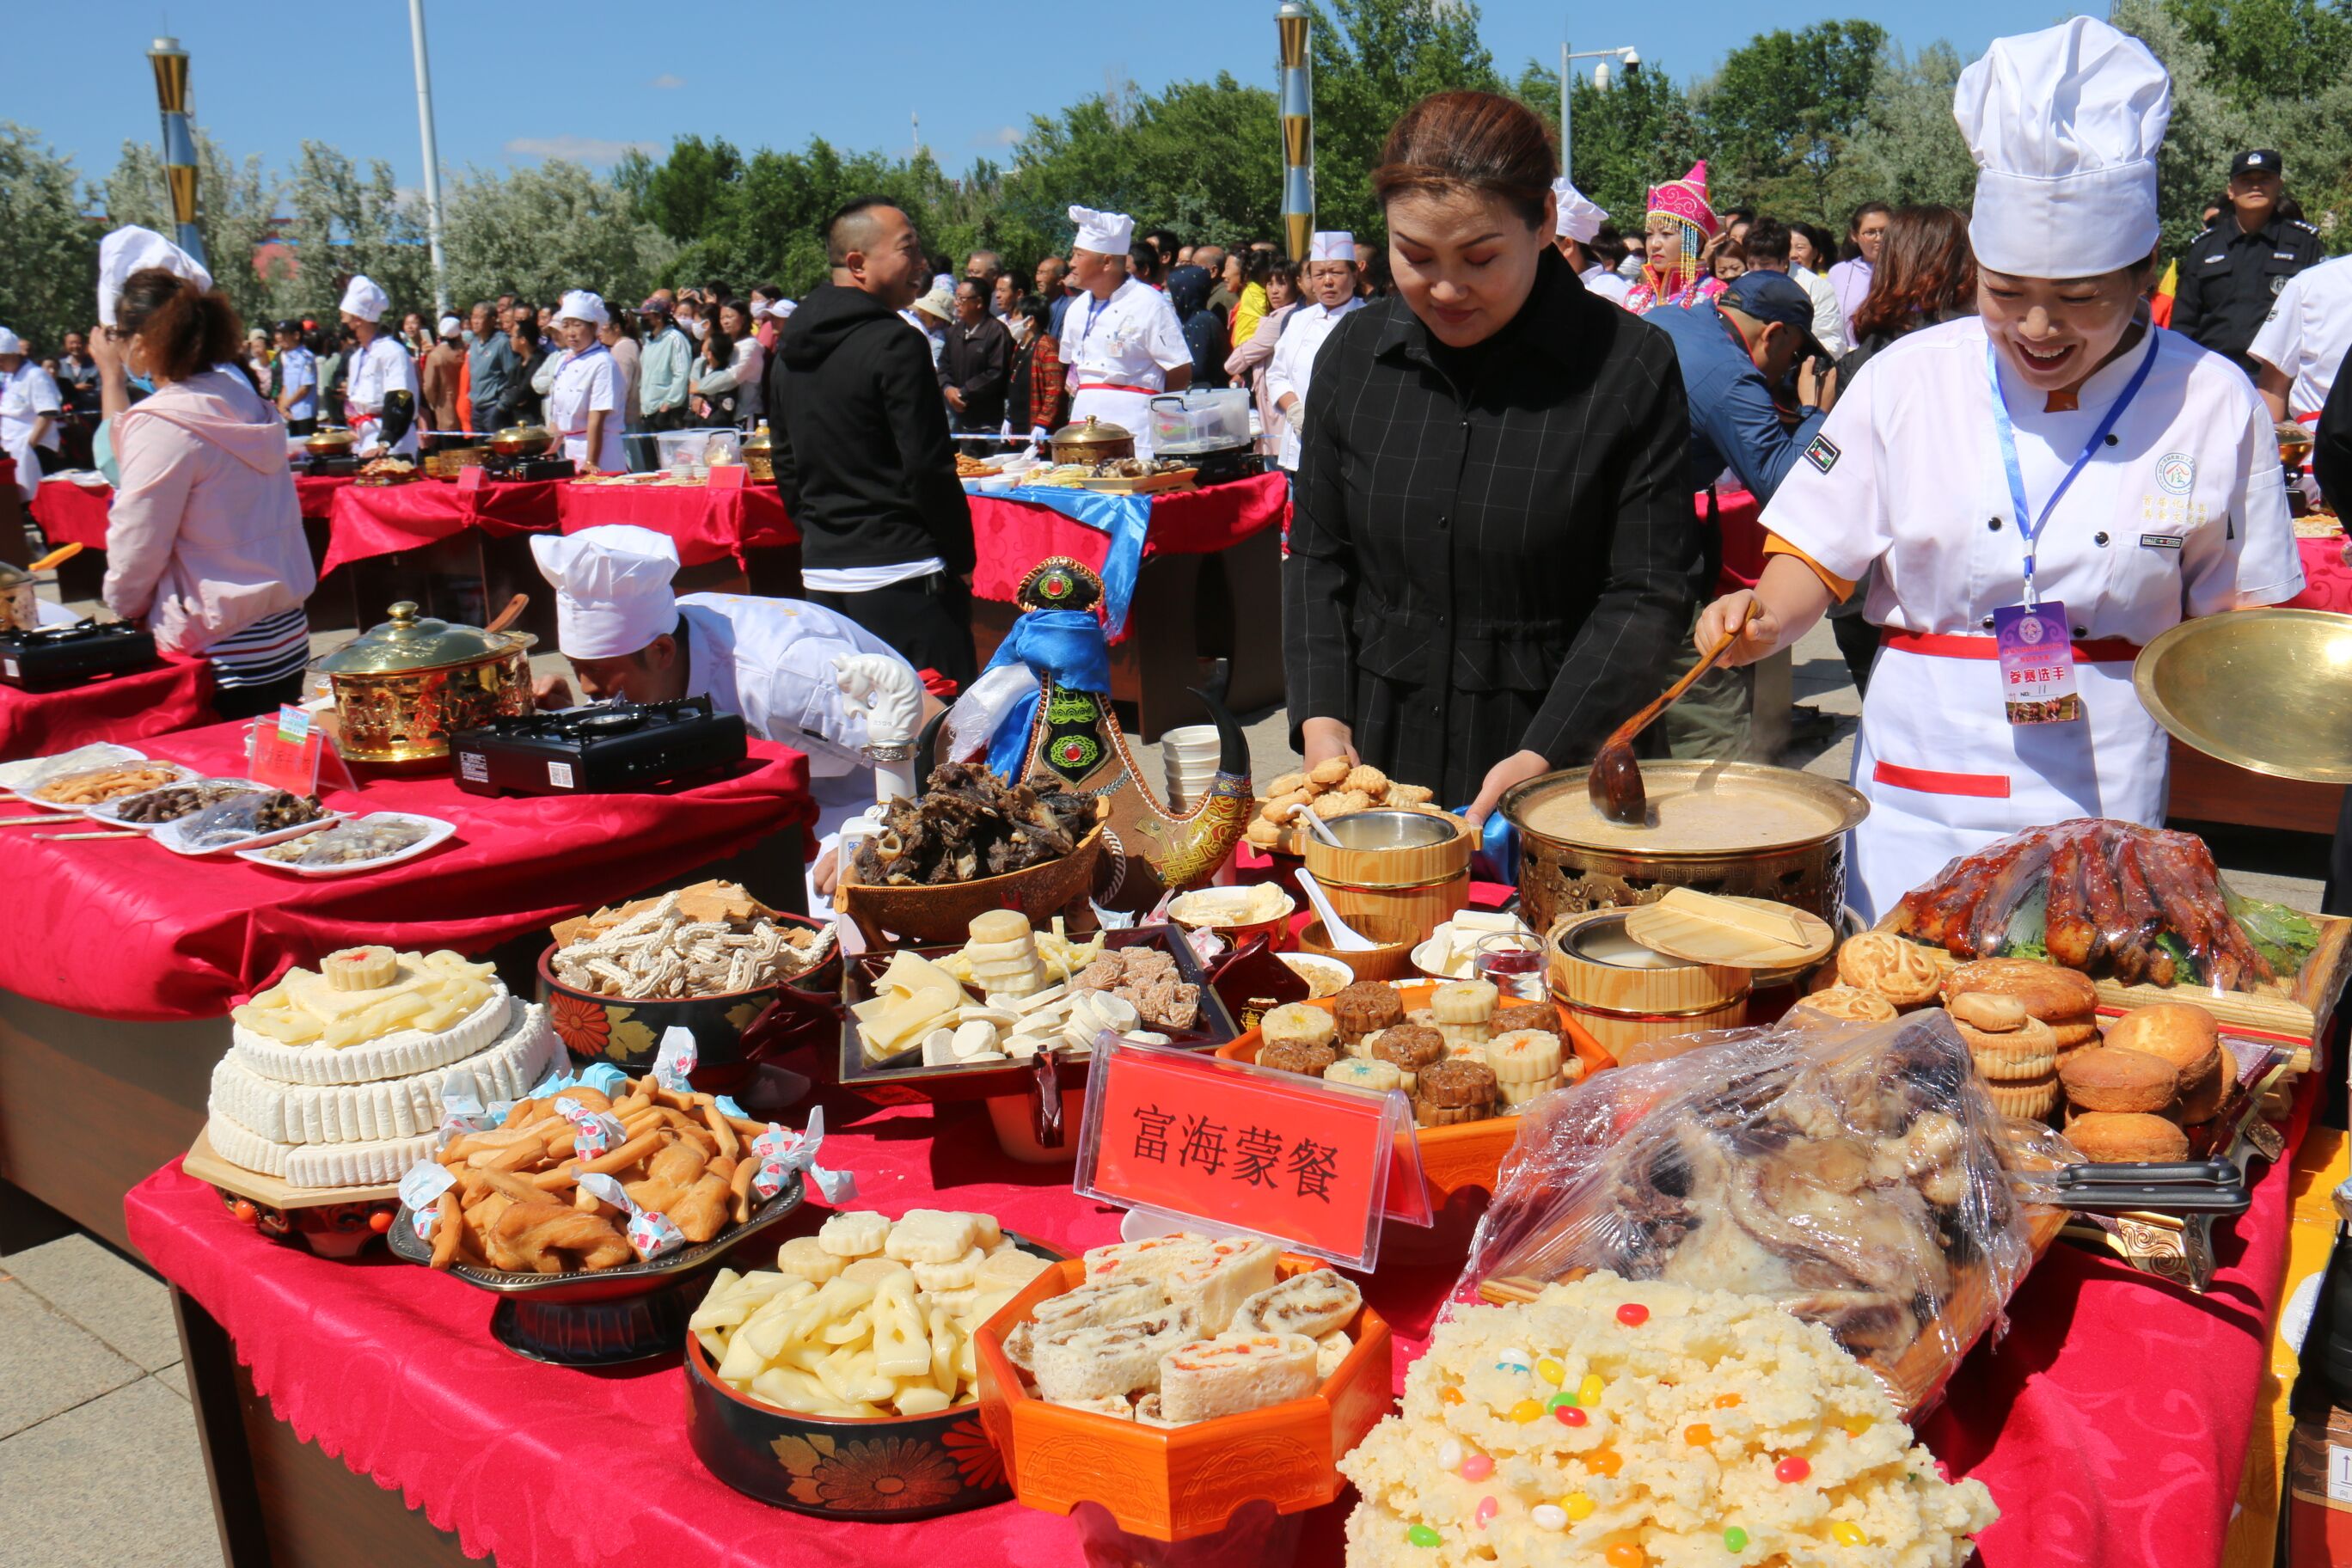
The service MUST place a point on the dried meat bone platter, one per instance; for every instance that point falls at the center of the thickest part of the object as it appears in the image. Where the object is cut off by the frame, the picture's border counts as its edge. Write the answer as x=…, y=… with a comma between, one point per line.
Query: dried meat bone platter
x=1860, y=1175
x=2145, y=913
x=1164, y=1465
x=573, y=1282
x=970, y=845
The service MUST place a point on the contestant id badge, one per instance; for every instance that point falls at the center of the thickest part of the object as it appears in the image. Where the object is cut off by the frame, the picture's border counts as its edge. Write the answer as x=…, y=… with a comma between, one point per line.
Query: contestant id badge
x=2037, y=663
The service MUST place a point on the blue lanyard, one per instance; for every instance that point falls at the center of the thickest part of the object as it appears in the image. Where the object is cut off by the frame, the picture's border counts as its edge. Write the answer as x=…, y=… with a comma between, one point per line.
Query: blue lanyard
x=2032, y=530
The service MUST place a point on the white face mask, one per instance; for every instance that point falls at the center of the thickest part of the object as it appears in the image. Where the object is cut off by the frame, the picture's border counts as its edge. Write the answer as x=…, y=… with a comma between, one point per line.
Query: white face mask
x=697, y=326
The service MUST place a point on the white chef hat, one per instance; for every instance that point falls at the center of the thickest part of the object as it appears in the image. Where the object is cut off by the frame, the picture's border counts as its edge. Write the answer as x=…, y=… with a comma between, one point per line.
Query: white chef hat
x=134, y=249
x=10, y=343
x=1580, y=218
x=612, y=588
x=1111, y=234
x=451, y=326
x=365, y=300
x=2064, y=126
x=1332, y=244
x=580, y=305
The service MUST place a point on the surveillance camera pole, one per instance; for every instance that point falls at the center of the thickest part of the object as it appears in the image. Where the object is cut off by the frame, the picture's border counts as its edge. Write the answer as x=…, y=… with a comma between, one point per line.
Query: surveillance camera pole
x=1631, y=59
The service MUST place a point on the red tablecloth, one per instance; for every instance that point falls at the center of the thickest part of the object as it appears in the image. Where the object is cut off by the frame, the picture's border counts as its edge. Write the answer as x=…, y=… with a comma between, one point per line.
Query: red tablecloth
x=70, y=513
x=2326, y=580
x=2111, y=1424
x=175, y=695
x=1011, y=536
x=708, y=523
x=381, y=520
x=121, y=927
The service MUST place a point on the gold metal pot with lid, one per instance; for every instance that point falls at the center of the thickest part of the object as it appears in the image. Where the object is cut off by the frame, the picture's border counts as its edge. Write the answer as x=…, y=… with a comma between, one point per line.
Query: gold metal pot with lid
x=1092, y=442
x=329, y=441
x=760, y=455
x=523, y=441
x=404, y=688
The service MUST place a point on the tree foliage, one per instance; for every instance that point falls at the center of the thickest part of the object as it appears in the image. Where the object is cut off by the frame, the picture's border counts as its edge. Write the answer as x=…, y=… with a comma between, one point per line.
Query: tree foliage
x=1640, y=131
x=1373, y=60
x=1780, y=104
x=51, y=267
x=540, y=231
x=233, y=215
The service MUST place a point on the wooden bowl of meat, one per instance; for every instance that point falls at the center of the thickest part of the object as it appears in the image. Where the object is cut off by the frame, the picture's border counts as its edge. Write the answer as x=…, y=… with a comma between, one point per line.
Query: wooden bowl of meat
x=971, y=845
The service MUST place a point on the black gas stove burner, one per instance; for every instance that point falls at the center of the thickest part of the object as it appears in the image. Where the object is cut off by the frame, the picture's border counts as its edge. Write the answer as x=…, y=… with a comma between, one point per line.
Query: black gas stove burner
x=52, y=658
x=544, y=466
x=608, y=748
x=342, y=467
x=1215, y=463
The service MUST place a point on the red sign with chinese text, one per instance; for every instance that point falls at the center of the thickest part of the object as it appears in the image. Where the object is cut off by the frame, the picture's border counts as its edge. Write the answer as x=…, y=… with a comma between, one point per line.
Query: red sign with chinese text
x=1292, y=1158
x=285, y=761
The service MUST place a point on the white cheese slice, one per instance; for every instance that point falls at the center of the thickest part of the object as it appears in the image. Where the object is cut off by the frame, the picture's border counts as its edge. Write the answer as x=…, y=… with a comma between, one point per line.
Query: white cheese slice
x=394, y=1056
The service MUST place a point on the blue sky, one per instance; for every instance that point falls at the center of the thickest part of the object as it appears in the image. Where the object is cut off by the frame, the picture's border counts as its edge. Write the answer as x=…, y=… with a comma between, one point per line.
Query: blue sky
x=603, y=75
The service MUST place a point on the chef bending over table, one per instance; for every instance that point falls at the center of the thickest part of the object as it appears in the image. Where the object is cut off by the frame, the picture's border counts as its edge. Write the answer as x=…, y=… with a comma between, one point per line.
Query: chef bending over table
x=798, y=673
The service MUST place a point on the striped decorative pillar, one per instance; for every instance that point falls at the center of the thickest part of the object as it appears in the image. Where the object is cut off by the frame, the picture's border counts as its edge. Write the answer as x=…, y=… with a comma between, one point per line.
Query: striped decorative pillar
x=1290, y=22
x=170, y=63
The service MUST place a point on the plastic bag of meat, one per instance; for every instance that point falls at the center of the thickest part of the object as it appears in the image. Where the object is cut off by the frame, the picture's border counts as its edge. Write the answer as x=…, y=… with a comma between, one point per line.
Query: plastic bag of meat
x=2109, y=898
x=1858, y=1174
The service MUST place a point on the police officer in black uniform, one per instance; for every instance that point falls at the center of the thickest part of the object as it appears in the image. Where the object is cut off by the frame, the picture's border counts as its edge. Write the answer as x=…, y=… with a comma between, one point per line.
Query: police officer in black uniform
x=2235, y=269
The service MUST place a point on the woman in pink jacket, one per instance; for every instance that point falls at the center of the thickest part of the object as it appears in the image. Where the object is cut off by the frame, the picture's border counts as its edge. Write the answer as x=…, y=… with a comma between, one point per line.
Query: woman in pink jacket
x=205, y=543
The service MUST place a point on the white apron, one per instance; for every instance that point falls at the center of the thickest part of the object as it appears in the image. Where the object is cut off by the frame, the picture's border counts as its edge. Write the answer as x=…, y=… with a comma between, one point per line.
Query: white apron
x=2183, y=514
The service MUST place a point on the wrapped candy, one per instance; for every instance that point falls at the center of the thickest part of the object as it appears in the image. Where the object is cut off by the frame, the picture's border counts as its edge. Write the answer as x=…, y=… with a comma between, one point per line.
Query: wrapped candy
x=675, y=1061
x=782, y=1151
x=421, y=1190
x=651, y=1235
x=596, y=1131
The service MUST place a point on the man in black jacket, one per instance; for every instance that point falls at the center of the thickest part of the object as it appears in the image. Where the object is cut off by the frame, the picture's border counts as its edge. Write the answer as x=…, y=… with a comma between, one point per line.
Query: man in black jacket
x=2233, y=271
x=863, y=461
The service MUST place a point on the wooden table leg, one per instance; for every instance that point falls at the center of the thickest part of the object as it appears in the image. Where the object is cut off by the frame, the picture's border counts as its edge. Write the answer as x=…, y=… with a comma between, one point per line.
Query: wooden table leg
x=208, y=1359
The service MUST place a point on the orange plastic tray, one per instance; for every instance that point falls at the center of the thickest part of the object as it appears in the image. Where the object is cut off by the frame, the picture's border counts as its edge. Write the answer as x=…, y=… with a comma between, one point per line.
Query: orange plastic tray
x=1469, y=1154
x=1173, y=1483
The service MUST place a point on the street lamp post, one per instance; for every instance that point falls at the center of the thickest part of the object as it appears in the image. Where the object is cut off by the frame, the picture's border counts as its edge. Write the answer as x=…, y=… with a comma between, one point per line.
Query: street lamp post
x=170, y=63
x=1297, y=110
x=432, y=156
x=1630, y=58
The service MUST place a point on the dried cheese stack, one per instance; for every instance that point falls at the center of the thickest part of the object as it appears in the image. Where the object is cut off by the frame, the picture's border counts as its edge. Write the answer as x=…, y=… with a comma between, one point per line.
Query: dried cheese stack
x=327, y=1084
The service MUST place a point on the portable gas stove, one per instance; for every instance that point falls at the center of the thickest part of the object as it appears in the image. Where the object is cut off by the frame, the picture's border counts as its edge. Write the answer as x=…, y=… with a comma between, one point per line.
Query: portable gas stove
x=55, y=658
x=606, y=748
x=499, y=468
x=1214, y=462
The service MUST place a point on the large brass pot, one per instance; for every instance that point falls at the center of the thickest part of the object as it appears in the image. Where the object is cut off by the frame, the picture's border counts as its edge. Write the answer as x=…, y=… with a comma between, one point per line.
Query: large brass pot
x=523, y=441
x=406, y=687
x=1741, y=829
x=1092, y=442
x=760, y=455
x=329, y=441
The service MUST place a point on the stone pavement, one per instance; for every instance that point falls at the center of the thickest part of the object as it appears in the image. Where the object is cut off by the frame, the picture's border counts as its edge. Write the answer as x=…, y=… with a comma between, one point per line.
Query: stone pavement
x=99, y=1462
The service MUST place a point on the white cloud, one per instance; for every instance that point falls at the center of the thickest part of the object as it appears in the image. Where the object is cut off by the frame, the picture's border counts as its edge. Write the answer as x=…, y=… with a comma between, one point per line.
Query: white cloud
x=666, y=81
x=578, y=149
x=1002, y=136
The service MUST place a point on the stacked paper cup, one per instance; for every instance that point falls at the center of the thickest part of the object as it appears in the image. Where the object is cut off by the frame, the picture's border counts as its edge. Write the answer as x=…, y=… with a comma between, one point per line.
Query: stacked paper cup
x=1191, y=754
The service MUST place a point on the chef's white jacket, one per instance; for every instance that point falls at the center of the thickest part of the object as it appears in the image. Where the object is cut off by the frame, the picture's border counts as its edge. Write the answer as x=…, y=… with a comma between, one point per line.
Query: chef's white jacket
x=376, y=370
x=1119, y=351
x=1293, y=366
x=25, y=393
x=588, y=382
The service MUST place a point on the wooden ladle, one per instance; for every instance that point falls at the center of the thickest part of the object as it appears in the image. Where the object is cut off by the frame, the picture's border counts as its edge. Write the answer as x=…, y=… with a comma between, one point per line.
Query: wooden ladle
x=1615, y=784
x=507, y=617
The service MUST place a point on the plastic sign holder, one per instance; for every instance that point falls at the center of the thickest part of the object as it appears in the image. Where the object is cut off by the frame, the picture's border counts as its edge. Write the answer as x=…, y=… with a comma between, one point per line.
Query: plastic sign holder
x=289, y=752
x=1311, y=1166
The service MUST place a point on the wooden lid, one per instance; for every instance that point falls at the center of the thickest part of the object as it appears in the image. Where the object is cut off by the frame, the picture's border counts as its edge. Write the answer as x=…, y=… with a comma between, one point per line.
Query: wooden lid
x=1595, y=963
x=1746, y=933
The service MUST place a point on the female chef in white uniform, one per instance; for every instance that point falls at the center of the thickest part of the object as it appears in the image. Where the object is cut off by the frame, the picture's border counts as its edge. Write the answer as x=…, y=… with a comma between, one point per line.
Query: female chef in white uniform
x=780, y=663
x=380, y=382
x=584, y=406
x=29, y=410
x=2053, y=451
x=1120, y=338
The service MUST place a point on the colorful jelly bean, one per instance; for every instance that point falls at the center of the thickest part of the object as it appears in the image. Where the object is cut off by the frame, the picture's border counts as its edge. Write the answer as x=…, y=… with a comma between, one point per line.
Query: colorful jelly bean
x=1514, y=1360
x=1421, y=1535
x=1552, y=1372
x=1578, y=1505
x=1588, y=1393
x=1449, y=1454
x=1849, y=1534
x=1487, y=1508
x=1449, y=1394
x=1792, y=1469
x=1632, y=1314
x=1477, y=1467
x=1527, y=1410
x=1549, y=1516
x=1569, y=1415
x=1856, y=1426
x=1727, y=1402
x=1625, y=1555
x=1735, y=1539
x=1604, y=1462
x=1698, y=1433
x=1557, y=1400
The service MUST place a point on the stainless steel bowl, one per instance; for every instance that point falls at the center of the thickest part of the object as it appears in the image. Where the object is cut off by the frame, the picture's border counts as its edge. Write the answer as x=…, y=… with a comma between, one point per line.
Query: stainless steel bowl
x=1390, y=829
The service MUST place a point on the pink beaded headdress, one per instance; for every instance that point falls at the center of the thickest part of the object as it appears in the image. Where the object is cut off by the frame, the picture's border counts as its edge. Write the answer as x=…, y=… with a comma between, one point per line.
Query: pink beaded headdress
x=1684, y=200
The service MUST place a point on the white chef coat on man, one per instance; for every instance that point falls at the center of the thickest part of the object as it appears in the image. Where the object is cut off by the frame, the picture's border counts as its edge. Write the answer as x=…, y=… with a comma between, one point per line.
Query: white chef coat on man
x=1579, y=219
x=1289, y=373
x=378, y=368
x=2302, y=345
x=1119, y=349
x=27, y=393
x=774, y=662
x=587, y=381
x=2181, y=513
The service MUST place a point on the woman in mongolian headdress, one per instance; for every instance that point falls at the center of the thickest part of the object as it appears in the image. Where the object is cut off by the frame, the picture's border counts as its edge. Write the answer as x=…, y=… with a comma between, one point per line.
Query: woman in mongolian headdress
x=1679, y=226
